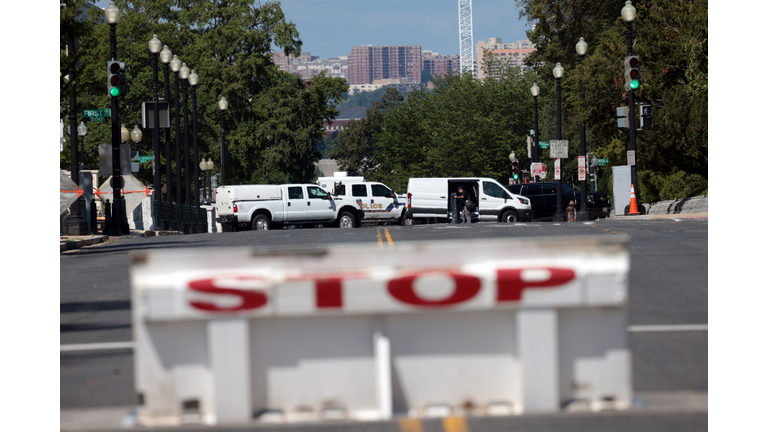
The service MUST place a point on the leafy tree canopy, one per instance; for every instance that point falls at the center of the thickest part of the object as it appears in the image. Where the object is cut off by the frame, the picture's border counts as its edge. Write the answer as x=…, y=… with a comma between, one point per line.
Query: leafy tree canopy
x=273, y=119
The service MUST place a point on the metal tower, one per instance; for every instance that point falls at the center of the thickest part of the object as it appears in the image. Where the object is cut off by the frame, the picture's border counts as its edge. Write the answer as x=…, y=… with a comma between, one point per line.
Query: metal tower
x=466, y=44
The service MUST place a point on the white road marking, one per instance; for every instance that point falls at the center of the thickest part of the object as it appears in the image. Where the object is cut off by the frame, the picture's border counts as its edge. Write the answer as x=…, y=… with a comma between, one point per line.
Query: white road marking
x=97, y=346
x=667, y=328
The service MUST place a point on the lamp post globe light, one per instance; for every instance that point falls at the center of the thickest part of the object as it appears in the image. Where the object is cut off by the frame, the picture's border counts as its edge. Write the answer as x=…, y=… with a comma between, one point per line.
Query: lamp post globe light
x=535, y=93
x=112, y=13
x=136, y=134
x=223, y=107
x=82, y=130
x=559, y=214
x=628, y=14
x=125, y=134
x=583, y=214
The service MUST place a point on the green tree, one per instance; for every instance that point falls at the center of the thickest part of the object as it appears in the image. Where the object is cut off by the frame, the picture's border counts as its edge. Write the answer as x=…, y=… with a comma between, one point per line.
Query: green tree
x=364, y=99
x=228, y=43
x=357, y=149
x=670, y=37
x=465, y=127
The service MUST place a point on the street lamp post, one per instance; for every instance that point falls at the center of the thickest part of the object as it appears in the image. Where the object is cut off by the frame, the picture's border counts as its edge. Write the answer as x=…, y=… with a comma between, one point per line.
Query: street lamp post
x=165, y=57
x=184, y=75
x=112, y=14
x=223, y=107
x=209, y=165
x=204, y=169
x=559, y=214
x=535, y=92
x=154, y=49
x=628, y=14
x=175, y=67
x=583, y=214
x=193, y=80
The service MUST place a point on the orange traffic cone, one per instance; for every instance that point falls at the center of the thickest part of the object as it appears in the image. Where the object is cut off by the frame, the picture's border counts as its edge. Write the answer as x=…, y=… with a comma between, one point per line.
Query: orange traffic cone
x=633, y=202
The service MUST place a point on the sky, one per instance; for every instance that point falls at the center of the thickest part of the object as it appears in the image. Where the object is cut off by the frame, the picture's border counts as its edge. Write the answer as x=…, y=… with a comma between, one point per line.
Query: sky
x=330, y=28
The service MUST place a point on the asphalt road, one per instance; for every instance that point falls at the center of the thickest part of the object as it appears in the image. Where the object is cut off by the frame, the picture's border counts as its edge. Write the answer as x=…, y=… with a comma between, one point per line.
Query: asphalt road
x=668, y=286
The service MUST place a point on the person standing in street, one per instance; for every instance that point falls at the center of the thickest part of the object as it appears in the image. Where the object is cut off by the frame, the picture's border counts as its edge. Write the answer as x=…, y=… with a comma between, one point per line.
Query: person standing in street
x=461, y=202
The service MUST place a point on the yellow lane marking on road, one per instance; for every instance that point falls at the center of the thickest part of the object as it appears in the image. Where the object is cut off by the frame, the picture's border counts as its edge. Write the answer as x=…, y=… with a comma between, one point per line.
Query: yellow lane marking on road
x=389, y=238
x=410, y=425
x=455, y=424
x=378, y=237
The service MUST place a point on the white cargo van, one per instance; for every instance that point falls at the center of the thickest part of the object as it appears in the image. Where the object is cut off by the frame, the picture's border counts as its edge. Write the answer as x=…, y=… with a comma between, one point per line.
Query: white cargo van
x=379, y=202
x=430, y=199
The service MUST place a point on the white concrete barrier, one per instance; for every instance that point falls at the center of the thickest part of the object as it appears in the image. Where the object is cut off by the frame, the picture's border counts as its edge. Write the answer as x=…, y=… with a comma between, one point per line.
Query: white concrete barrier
x=358, y=332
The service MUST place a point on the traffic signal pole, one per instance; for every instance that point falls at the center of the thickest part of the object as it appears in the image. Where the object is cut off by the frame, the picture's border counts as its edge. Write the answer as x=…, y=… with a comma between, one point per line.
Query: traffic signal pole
x=117, y=178
x=631, y=119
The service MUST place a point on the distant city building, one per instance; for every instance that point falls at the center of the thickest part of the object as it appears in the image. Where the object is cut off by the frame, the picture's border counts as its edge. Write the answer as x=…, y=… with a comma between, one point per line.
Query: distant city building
x=291, y=63
x=368, y=63
x=404, y=86
x=345, y=116
x=436, y=64
x=515, y=52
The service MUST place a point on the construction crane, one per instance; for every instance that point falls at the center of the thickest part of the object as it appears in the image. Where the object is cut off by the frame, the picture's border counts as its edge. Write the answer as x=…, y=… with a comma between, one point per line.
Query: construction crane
x=466, y=52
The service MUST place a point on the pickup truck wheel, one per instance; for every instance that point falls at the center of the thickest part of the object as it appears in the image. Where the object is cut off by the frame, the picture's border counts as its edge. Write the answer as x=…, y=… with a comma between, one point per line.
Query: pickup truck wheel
x=405, y=221
x=260, y=222
x=509, y=217
x=346, y=220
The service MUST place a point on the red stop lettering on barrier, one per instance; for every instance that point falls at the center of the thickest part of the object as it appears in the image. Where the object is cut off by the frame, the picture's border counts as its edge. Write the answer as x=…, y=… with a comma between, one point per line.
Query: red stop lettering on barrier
x=465, y=287
x=328, y=293
x=250, y=299
x=511, y=284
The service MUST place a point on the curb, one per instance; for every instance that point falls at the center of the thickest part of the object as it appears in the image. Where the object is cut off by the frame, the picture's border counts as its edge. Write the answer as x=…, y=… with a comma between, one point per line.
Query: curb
x=75, y=244
x=671, y=208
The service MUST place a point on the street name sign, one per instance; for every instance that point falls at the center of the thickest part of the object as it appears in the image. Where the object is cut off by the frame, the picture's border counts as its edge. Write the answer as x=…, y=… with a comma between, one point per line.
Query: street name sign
x=96, y=115
x=602, y=162
x=559, y=149
x=145, y=159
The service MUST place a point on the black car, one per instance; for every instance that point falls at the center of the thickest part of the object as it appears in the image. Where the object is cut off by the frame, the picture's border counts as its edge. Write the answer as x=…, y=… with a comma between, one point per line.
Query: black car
x=543, y=196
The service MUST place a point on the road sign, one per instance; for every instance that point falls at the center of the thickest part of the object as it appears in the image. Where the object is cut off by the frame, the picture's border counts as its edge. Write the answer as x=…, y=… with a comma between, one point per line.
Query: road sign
x=602, y=162
x=582, y=161
x=144, y=159
x=557, y=169
x=559, y=149
x=544, y=144
x=630, y=157
x=96, y=114
x=582, y=168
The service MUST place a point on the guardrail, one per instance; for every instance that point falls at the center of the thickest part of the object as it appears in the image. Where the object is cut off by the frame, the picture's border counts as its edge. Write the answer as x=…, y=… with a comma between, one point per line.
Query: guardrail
x=356, y=332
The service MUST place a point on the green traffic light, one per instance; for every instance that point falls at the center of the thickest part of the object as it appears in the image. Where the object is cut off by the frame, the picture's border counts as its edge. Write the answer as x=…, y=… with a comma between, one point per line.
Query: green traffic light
x=634, y=84
x=514, y=176
x=114, y=92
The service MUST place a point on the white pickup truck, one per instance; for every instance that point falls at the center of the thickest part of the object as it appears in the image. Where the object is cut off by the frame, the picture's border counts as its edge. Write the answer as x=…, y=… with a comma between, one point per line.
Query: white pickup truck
x=267, y=206
x=379, y=202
